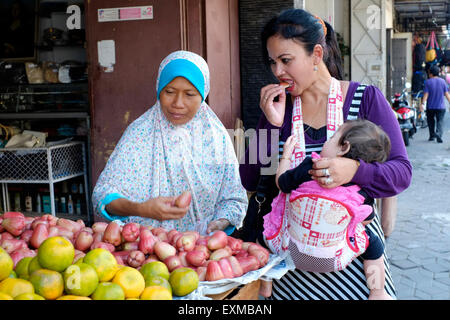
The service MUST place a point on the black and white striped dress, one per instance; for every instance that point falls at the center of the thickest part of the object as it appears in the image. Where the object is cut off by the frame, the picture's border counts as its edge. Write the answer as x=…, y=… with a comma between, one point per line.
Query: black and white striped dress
x=347, y=284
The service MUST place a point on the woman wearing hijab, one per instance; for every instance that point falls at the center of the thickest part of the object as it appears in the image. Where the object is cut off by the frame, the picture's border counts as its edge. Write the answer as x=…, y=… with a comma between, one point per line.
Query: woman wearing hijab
x=178, y=145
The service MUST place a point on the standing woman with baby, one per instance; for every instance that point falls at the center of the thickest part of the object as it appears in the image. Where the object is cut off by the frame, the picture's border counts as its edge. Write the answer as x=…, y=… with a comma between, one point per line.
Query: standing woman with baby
x=296, y=46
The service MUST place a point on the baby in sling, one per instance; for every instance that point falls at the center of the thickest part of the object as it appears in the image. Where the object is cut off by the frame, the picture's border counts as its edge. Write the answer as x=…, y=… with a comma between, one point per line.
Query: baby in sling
x=324, y=229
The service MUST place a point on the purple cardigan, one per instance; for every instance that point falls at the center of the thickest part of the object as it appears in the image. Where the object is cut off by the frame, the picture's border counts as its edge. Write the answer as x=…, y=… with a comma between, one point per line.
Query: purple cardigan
x=378, y=179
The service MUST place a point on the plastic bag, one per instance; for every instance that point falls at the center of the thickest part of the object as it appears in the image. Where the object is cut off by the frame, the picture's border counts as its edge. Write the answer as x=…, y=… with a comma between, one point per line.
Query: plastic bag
x=34, y=73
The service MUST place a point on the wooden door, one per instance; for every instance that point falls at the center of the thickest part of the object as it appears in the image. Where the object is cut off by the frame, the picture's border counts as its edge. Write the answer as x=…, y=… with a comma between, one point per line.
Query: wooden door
x=368, y=42
x=119, y=97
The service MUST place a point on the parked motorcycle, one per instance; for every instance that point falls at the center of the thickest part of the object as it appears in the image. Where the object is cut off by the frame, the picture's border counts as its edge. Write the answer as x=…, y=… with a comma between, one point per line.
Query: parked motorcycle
x=406, y=115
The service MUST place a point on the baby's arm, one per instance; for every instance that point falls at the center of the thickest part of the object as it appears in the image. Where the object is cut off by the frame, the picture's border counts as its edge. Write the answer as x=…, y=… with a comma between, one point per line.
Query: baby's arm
x=285, y=160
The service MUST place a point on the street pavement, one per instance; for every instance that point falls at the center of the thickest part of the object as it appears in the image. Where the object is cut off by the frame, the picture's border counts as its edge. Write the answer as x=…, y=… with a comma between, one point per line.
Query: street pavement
x=419, y=247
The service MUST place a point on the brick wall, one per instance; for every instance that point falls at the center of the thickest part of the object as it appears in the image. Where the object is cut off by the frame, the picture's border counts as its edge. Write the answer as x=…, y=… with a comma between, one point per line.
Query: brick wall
x=253, y=14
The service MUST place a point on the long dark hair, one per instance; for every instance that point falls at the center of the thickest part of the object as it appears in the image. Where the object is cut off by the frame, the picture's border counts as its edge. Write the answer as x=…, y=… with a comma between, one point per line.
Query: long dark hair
x=306, y=29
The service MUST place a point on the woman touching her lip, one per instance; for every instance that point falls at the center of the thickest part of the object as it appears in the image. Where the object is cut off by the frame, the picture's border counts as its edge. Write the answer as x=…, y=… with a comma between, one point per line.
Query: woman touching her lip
x=300, y=50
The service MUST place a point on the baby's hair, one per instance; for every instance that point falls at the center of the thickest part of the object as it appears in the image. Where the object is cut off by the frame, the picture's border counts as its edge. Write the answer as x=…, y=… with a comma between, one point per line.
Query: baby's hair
x=368, y=141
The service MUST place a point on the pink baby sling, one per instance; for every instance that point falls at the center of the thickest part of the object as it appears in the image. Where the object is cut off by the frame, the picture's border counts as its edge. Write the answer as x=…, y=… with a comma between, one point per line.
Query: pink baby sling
x=315, y=224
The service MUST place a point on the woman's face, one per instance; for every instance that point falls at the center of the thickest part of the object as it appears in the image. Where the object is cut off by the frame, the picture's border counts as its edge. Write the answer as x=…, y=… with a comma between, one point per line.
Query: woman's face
x=180, y=101
x=291, y=63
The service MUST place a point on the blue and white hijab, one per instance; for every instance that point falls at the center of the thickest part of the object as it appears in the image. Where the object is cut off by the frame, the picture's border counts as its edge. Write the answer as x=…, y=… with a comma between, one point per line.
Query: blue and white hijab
x=156, y=158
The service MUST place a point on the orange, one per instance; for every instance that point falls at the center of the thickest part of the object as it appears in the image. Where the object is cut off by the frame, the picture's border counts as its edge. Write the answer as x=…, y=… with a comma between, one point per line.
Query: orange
x=155, y=268
x=108, y=291
x=156, y=293
x=131, y=281
x=103, y=262
x=33, y=265
x=47, y=283
x=6, y=264
x=183, y=281
x=29, y=296
x=158, y=281
x=14, y=287
x=22, y=267
x=56, y=253
x=72, y=297
x=4, y=296
x=80, y=279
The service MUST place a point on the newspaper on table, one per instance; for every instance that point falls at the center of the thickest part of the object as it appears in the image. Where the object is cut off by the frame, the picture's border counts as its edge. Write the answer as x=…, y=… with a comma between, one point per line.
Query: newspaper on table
x=276, y=267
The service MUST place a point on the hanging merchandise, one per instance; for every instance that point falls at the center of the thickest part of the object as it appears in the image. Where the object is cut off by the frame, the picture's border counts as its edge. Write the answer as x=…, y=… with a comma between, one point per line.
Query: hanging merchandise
x=432, y=47
x=418, y=81
x=419, y=56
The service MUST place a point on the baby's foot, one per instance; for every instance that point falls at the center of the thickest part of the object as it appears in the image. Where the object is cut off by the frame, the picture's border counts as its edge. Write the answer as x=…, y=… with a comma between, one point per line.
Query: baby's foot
x=379, y=295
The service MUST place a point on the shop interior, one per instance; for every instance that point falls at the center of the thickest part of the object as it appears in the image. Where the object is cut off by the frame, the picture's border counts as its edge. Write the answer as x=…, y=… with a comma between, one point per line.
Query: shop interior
x=44, y=109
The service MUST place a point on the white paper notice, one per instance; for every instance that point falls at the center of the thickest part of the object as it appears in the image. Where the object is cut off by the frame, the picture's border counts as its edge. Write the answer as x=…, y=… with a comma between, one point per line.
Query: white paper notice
x=106, y=54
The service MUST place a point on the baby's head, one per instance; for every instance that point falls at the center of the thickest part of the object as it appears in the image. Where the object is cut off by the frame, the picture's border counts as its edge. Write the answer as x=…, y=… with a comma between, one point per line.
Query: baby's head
x=358, y=139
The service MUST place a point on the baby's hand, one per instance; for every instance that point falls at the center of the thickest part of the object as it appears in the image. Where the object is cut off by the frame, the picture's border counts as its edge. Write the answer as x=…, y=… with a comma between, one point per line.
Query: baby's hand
x=289, y=146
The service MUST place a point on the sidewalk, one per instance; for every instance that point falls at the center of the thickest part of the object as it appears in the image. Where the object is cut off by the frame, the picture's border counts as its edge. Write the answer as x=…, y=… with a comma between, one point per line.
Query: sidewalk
x=419, y=247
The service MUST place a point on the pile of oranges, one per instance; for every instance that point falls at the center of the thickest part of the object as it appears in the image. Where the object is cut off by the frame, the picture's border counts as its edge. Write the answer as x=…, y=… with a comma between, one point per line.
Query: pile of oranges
x=53, y=274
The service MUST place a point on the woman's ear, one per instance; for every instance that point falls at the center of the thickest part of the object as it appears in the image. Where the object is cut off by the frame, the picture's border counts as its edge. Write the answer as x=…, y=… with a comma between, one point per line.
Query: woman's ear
x=318, y=54
x=345, y=147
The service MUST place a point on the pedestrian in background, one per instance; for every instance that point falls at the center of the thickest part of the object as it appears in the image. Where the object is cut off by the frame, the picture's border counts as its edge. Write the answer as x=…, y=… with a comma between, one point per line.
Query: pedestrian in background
x=434, y=91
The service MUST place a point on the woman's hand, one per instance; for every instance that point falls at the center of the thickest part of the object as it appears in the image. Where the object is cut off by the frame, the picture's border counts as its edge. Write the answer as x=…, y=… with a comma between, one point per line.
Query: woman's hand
x=274, y=111
x=331, y=173
x=161, y=208
x=219, y=224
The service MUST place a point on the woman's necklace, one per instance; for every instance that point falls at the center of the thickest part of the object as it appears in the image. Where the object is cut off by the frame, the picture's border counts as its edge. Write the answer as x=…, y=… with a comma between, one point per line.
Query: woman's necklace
x=313, y=121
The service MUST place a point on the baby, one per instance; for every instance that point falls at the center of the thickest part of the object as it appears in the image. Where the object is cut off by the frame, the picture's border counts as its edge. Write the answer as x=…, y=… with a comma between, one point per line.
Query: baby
x=358, y=140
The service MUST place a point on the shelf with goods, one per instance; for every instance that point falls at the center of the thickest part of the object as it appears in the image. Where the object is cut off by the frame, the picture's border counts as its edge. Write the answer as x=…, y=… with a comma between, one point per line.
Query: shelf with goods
x=43, y=98
x=45, y=165
x=59, y=110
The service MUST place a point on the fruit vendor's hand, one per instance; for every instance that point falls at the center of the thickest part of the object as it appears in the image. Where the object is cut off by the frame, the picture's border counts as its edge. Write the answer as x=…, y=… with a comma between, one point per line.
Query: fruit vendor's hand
x=159, y=208
x=162, y=208
x=219, y=224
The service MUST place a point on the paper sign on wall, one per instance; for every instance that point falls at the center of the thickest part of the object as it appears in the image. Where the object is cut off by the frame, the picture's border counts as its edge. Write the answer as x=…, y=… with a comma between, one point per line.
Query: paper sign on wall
x=106, y=55
x=125, y=13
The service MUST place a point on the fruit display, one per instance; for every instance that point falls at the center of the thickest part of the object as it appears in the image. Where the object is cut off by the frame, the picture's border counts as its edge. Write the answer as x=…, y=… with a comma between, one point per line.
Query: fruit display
x=56, y=258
